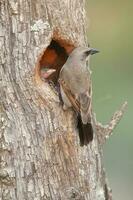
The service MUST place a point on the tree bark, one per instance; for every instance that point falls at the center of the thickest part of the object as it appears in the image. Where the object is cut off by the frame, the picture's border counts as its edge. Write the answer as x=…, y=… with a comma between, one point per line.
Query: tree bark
x=40, y=155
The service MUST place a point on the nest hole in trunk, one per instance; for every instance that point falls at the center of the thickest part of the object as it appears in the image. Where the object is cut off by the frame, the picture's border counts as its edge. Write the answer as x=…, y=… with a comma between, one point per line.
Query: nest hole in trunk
x=54, y=57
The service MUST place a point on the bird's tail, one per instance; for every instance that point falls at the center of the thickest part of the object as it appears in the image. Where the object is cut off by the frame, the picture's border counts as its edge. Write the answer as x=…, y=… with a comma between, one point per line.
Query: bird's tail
x=85, y=132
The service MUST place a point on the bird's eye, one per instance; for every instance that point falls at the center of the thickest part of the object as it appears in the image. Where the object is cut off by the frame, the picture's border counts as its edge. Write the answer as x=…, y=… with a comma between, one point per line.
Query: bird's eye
x=87, y=53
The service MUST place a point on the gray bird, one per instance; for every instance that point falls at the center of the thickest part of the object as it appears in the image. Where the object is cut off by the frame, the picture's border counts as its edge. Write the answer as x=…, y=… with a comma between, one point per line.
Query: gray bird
x=75, y=88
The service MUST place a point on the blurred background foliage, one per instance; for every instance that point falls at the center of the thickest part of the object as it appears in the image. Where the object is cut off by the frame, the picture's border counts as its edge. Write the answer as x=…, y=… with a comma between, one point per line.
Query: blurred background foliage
x=110, y=29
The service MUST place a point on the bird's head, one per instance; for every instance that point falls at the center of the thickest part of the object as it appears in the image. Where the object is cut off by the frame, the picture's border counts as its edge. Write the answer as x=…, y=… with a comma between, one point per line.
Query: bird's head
x=46, y=72
x=83, y=53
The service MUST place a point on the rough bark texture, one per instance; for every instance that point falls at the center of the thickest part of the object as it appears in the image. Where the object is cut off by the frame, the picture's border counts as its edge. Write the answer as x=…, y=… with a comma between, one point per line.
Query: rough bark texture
x=40, y=156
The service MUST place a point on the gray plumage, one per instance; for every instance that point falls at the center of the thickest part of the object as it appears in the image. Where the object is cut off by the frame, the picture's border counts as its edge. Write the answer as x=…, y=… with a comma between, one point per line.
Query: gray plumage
x=76, y=77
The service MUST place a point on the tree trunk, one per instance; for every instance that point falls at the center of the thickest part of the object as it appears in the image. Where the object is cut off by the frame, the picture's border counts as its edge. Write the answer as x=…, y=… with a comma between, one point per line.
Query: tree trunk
x=40, y=155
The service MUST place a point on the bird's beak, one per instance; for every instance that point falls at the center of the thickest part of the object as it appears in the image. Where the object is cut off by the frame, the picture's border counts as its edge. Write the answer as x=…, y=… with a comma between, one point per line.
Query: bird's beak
x=51, y=71
x=47, y=73
x=93, y=51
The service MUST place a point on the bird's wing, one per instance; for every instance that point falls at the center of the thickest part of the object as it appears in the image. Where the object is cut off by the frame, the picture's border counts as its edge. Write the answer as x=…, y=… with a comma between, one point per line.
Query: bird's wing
x=85, y=107
x=75, y=103
x=85, y=130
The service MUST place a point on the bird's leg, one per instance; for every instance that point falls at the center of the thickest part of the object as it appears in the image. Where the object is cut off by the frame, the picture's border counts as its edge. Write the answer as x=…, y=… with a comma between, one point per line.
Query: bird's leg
x=65, y=107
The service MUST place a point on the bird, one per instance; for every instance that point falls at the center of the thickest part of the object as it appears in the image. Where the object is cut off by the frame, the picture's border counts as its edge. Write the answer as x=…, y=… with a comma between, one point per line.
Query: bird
x=46, y=72
x=76, y=91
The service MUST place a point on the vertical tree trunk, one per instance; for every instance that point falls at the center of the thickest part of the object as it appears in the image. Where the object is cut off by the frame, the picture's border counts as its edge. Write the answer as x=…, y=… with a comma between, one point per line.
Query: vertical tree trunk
x=40, y=155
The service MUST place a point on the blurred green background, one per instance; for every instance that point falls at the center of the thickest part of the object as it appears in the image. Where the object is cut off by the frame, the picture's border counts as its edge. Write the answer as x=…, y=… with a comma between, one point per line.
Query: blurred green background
x=111, y=31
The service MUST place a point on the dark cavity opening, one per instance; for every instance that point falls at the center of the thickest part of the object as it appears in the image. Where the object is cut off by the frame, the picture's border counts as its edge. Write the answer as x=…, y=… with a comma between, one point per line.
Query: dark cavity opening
x=54, y=57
